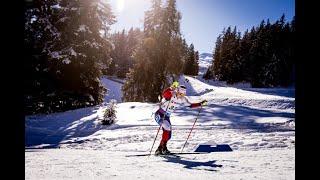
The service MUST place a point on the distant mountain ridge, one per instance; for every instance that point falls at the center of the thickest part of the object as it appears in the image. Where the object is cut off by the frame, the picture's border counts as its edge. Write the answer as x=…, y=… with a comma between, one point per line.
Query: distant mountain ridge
x=204, y=55
x=205, y=60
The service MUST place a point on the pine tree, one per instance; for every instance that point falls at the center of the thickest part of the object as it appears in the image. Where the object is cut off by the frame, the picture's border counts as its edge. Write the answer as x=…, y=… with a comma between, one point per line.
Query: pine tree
x=40, y=33
x=234, y=62
x=291, y=50
x=158, y=56
x=134, y=38
x=109, y=115
x=189, y=65
x=119, y=53
x=82, y=49
x=70, y=48
x=124, y=46
x=152, y=18
x=214, y=69
x=244, y=48
x=146, y=58
x=185, y=50
x=196, y=64
x=263, y=56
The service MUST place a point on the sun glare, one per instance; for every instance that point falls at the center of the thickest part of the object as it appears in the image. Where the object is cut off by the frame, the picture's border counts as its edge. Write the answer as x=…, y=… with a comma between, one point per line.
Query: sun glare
x=120, y=5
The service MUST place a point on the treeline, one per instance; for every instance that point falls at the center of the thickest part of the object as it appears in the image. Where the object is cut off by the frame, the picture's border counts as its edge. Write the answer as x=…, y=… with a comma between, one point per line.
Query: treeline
x=124, y=45
x=67, y=45
x=263, y=56
x=161, y=56
x=191, y=64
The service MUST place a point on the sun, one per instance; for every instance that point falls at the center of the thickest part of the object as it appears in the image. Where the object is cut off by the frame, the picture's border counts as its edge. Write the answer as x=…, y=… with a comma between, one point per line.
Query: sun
x=120, y=5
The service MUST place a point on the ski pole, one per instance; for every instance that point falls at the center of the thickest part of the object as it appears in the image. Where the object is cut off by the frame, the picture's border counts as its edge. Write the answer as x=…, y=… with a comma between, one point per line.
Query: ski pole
x=192, y=128
x=159, y=128
x=155, y=139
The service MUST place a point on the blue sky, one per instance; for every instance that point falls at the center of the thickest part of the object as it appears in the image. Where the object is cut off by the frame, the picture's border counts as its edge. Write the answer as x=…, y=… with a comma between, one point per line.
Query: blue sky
x=203, y=20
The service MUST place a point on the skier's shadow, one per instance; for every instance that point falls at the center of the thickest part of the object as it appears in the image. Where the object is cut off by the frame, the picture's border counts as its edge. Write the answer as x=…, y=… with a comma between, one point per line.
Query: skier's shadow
x=192, y=164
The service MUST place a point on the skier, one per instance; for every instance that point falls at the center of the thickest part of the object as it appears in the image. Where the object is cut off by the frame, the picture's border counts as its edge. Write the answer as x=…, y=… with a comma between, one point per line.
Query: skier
x=171, y=97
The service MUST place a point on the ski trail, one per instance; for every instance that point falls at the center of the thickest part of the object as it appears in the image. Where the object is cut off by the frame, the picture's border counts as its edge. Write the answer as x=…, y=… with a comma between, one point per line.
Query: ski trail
x=113, y=89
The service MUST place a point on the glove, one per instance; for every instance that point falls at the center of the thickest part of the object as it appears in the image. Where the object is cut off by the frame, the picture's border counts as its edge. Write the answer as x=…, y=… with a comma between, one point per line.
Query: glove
x=204, y=103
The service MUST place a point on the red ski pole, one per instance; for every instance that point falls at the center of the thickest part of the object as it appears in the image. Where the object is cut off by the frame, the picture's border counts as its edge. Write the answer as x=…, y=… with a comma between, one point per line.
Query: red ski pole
x=191, y=128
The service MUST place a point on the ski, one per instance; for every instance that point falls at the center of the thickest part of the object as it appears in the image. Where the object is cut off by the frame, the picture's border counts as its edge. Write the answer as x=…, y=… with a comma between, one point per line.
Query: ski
x=174, y=153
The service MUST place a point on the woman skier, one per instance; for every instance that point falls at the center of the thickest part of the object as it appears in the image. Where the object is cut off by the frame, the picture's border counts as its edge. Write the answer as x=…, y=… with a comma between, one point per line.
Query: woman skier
x=171, y=98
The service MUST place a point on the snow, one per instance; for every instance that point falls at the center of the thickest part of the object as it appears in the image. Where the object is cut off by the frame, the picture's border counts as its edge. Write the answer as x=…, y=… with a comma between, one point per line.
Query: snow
x=102, y=164
x=95, y=45
x=73, y=53
x=82, y=28
x=258, y=124
x=66, y=61
x=275, y=99
x=63, y=19
x=56, y=6
x=205, y=60
x=49, y=26
x=56, y=55
x=33, y=19
x=113, y=86
x=205, y=55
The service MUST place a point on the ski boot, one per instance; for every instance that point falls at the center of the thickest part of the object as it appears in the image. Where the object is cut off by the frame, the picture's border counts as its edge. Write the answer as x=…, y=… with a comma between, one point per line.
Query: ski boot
x=165, y=150
x=159, y=151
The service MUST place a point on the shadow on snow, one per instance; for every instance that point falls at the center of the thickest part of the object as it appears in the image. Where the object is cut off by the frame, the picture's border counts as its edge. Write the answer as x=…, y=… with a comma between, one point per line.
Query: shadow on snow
x=192, y=164
x=52, y=132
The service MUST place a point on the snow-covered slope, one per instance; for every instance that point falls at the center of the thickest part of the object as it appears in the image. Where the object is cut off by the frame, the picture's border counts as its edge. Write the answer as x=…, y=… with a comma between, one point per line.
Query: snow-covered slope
x=113, y=86
x=277, y=99
x=258, y=125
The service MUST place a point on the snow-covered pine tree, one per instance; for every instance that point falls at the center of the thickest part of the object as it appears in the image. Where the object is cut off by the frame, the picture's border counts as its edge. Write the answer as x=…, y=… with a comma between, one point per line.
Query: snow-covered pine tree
x=109, y=115
x=70, y=47
x=40, y=33
x=81, y=49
